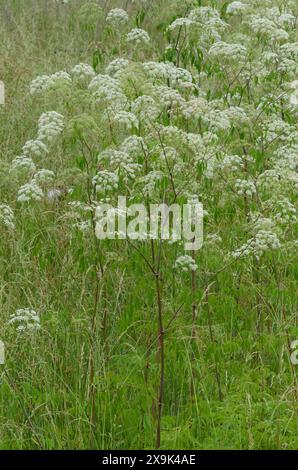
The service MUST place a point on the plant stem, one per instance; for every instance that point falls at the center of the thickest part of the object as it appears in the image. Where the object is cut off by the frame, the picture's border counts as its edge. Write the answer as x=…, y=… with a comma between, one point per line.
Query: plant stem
x=161, y=358
x=193, y=329
x=217, y=374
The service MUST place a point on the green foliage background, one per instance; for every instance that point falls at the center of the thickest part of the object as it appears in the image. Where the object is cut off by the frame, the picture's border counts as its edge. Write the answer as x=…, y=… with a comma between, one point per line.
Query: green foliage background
x=245, y=393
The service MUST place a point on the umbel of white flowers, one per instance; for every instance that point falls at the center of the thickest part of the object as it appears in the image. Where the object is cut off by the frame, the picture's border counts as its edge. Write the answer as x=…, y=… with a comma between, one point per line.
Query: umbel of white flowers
x=25, y=320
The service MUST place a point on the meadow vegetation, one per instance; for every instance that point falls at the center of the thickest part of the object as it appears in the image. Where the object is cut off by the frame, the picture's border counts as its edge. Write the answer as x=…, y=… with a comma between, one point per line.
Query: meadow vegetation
x=120, y=344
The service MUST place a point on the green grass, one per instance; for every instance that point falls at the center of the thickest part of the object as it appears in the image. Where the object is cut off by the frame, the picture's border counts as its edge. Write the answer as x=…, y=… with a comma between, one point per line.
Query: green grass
x=89, y=378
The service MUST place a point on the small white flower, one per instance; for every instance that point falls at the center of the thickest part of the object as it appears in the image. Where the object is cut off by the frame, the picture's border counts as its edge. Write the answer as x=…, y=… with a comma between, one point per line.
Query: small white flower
x=34, y=148
x=45, y=82
x=129, y=120
x=7, y=216
x=50, y=125
x=116, y=65
x=245, y=187
x=44, y=176
x=138, y=36
x=236, y=8
x=264, y=240
x=25, y=320
x=30, y=192
x=117, y=17
x=222, y=51
x=180, y=22
x=145, y=108
x=39, y=84
x=83, y=72
x=105, y=181
x=185, y=263
x=23, y=163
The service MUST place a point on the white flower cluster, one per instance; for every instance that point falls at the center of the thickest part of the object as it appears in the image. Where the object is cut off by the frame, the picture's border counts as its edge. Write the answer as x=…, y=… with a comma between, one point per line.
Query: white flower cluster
x=293, y=98
x=7, y=216
x=289, y=50
x=134, y=145
x=281, y=18
x=145, y=108
x=237, y=8
x=149, y=181
x=105, y=181
x=208, y=17
x=216, y=119
x=259, y=223
x=262, y=242
x=44, y=176
x=185, y=263
x=45, y=82
x=267, y=28
x=138, y=36
x=169, y=97
x=275, y=128
x=117, y=17
x=168, y=154
x=60, y=77
x=284, y=211
x=286, y=157
x=122, y=161
x=223, y=51
x=34, y=148
x=22, y=162
x=195, y=108
x=245, y=187
x=237, y=116
x=169, y=73
x=50, y=125
x=213, y=239
x=26, y=320
x=39, y=84
x=116, y=65
x=268, y=179
x=179, y=23
x=83, y=72
x=30, y=192
x=207, y=24
x=108, y=90
x=127, y=119
x=231, y=163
